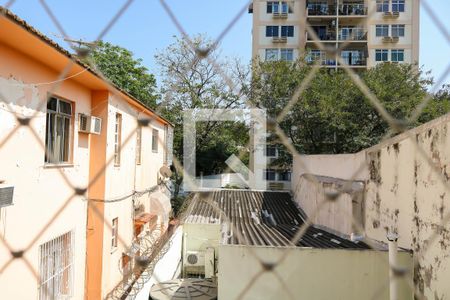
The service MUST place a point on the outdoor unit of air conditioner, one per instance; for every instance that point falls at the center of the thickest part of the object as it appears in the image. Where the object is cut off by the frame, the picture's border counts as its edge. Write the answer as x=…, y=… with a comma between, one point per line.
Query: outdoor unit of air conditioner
x=89, y=124
x=6, y=195
x=194, y=259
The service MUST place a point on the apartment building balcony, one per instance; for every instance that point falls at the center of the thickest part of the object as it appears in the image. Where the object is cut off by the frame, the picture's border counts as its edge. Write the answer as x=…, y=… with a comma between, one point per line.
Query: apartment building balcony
x=320, y=57
x=323, y=37
x=353, y=35
x=354, y=58
x=352, y=10
x=319, y=9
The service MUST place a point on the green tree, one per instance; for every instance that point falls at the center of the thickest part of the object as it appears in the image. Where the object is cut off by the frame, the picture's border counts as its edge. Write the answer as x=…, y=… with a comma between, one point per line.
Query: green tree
x=333, y=115
x=191, y=81
x=124, y=70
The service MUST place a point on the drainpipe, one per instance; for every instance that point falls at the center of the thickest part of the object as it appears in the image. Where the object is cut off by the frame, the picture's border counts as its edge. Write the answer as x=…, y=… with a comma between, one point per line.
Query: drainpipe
x=393, y=280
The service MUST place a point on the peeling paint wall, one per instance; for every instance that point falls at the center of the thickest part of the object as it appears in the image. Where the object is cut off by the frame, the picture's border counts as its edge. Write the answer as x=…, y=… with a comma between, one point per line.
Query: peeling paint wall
x=403, y=194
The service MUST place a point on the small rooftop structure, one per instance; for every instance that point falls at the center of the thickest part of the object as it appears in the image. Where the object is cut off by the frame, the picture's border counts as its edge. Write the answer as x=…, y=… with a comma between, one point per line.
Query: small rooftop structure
x=260, y=218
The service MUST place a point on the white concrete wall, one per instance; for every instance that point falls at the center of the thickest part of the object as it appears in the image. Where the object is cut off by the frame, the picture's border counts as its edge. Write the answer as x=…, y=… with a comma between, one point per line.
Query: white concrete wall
x=404, y=194
x=40, y=190
x=167, y=266
x=122, y=180
x=307, y=274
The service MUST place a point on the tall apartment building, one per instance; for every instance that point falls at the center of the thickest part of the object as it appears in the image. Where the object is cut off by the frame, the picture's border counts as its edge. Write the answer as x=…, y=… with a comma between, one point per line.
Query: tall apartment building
x=366, y=32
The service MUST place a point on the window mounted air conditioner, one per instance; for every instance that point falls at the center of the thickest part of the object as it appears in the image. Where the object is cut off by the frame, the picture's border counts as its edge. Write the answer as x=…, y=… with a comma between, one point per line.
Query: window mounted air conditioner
x=89, y=124
x=6, y=195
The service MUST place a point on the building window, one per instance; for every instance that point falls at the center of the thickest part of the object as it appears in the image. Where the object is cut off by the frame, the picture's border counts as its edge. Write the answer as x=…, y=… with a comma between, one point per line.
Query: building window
x=269, y=174
x=382, y=5
x=273, y=7
x=272, y=31
x=271, y=54
x=117, y=139
x=398, y=5
x=287, y=31
x=398, y=30
x=397, y=55
x=287, y=7
x=155, y=140
x=56, y=268
x=138, y=145
x=58, y=131
x=114, y=233
x=381, y=55
x=271, y=150
x=382, y=30
x=284, y=176
x=287, y=54
x=314, y=55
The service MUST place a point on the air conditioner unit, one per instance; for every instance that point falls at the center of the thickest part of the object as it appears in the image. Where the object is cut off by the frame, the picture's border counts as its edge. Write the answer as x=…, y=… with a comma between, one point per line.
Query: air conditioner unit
x=395, y=13
x=387, y=39
x=282, y=39
x=387, y=14
x=395, y=39
x=194, y=259
x=89, y=124
x=6, y=195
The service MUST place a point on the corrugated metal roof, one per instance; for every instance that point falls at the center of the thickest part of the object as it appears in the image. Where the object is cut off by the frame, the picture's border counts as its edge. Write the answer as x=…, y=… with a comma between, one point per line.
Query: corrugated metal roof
x=262, y=218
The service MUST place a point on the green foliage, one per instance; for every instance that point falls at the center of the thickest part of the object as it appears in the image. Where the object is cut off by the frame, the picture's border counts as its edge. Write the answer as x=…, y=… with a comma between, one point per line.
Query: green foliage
x=190, y=82
x=332, y=115
x=118, y=65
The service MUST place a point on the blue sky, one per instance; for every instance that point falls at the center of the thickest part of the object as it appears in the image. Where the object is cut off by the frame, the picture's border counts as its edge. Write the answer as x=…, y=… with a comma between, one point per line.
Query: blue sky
x=145, y=27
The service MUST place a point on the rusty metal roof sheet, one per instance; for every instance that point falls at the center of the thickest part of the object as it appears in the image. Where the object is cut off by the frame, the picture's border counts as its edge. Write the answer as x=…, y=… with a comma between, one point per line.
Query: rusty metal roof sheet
x=262, y=218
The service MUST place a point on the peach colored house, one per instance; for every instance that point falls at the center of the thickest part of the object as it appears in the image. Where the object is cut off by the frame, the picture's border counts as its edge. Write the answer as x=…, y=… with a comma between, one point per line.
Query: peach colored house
x=72, y=212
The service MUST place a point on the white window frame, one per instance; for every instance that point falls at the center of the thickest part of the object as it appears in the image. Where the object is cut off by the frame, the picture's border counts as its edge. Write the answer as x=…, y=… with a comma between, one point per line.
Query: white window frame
x=383, y=28
x=399, y=28
x=270, y=171
x=382, y=51
x=397, y=52
x=56, y=268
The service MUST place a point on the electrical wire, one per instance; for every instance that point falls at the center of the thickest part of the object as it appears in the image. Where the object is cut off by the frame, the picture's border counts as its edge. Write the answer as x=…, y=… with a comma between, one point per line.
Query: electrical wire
x=122, y=198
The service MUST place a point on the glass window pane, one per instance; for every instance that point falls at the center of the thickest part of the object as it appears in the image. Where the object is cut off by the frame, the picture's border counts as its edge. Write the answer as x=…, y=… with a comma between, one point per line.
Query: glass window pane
x=52, y=104
x=269, y=7
x=65, y=107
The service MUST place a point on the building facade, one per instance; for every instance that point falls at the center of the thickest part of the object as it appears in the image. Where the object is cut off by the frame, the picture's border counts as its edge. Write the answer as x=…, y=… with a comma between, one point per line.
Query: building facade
x=365, y=32
x=72, y=155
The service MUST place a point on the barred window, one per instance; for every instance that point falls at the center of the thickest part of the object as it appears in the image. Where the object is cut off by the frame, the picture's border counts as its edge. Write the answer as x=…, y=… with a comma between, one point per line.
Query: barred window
x=58, y=131
x=56, y=268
